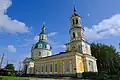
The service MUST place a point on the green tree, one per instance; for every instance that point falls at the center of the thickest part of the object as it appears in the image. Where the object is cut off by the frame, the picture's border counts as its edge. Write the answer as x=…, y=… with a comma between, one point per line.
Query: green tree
x=108, y=60
x=10, y=67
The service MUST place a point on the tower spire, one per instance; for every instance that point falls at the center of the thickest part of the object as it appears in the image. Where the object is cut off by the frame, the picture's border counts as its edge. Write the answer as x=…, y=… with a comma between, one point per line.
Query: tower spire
x=74, y=8
x=43, y=28
x=43, y=35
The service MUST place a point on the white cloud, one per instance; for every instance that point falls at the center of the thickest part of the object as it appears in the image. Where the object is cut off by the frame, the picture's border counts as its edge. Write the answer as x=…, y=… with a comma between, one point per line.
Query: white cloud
x=88, y=15
x=105, y=28
x=36, y=38
x=8, y=24
x=11, y=48
x=52, y=34
x=61, y=46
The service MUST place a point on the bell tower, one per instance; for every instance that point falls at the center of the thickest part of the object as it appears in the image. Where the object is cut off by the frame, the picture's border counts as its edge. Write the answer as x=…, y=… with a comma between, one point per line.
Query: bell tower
x=75, y=19
x=77, y=38
x=76, y=29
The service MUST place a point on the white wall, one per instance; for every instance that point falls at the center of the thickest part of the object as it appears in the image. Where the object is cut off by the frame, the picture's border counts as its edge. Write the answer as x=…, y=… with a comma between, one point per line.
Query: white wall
x=94, y=64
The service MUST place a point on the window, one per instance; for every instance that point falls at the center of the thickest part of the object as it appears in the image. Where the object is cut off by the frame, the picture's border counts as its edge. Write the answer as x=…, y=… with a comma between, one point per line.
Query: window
x=73, y=21
x=73, y=35
x=76, y=21
x=66, y=67
x=86, y=47
x=55, y=67
x=39, y=54
x=70, y=67
x=81, y=66
x=50, y=67
x=48, y=53
x=47, y=47
x=78, y=34
x=42, y=37
x=40, y=45
x=38, y=67
x=91, y=66
x=42, y=68
x=46, y=67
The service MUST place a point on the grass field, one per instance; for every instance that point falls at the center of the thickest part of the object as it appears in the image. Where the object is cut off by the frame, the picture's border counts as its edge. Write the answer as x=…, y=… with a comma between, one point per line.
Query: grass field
x=12, y=78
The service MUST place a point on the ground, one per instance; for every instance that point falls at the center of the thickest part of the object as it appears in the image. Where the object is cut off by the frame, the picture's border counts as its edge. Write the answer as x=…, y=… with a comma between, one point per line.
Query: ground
x=12, y=78
x=21, y=78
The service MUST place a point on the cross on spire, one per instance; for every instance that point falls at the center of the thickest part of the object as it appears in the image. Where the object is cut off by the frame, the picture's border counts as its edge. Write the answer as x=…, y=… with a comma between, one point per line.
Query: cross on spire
x=74, y=9
x=43, y=28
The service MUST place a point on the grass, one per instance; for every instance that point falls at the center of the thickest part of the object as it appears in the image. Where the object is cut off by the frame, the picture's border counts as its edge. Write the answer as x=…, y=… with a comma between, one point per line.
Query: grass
x=12, y=78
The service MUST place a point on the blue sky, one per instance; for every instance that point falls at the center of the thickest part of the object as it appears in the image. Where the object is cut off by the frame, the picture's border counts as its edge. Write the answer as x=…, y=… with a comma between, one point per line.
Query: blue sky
x=21, y=22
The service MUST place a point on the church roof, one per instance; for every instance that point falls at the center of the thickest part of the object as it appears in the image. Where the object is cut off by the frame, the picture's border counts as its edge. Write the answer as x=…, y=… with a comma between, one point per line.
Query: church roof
x=28, y=60
x=43, y=30
x=41, y=44
x=42, y=33
x=75, y=13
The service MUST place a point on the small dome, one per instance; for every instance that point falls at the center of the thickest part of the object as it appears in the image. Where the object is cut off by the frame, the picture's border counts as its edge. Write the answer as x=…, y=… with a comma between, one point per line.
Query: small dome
x=42, y=33
x=42, y=44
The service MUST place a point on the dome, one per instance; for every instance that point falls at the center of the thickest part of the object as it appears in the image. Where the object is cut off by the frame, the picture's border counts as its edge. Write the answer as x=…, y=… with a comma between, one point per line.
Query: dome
x=42, y=33
x=42, y=44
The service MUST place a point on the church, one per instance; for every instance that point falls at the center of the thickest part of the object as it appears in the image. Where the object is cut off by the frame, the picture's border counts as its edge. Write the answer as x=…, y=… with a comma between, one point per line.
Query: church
x=75, y=60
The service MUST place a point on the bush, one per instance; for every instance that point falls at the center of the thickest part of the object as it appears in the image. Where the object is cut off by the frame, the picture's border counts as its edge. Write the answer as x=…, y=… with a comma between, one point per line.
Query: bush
x=89, y=75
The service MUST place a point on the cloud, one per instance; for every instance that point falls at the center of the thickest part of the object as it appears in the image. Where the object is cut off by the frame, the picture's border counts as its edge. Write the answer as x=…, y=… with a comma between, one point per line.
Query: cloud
x=11, y=48
x=88, y=14
x=105, y=28
x=52, y=34
x=36, y=38
x=8, y=24
x=61, y=46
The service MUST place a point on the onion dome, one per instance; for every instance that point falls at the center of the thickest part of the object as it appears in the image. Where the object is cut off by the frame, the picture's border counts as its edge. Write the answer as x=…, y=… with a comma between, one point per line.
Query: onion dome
x=42, y=43
x=43, y=30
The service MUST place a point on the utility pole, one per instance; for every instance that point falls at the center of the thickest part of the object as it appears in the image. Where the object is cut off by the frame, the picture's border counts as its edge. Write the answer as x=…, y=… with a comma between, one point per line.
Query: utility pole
x=1, y=60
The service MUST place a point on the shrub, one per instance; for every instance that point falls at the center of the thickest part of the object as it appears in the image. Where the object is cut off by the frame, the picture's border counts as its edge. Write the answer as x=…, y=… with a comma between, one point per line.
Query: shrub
x=89, y=75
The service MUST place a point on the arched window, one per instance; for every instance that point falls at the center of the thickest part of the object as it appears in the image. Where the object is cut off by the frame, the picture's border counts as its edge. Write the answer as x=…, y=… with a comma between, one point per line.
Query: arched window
x=50, y=67
x=47, y=47
x=42, y=37
x=42, y=68
x=39, y=45
x=73, y=20
x=78, y=34
x=91, y=68
x=76, y=21
x=46, y=68
x=39, y=54
x=38, y=67
x=73, y=35
x=56, y=68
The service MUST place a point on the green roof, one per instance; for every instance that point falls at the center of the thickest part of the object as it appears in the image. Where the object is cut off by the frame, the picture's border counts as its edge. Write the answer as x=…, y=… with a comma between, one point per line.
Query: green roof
x=43, y=43
x=42, y=32
x=29, y=60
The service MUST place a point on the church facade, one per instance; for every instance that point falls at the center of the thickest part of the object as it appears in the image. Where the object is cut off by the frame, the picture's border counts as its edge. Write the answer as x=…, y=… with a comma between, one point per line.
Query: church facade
x=75, y=60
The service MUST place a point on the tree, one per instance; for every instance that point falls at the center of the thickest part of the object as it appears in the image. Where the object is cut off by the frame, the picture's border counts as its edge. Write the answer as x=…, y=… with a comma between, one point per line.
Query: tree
x=108, y=60
x=10, y=67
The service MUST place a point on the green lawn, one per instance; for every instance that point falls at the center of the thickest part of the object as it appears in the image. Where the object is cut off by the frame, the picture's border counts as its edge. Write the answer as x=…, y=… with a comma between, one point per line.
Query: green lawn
x=12, y=78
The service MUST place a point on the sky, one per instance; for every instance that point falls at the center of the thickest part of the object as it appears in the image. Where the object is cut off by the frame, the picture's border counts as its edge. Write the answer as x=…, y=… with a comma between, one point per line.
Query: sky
x=21, y=21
